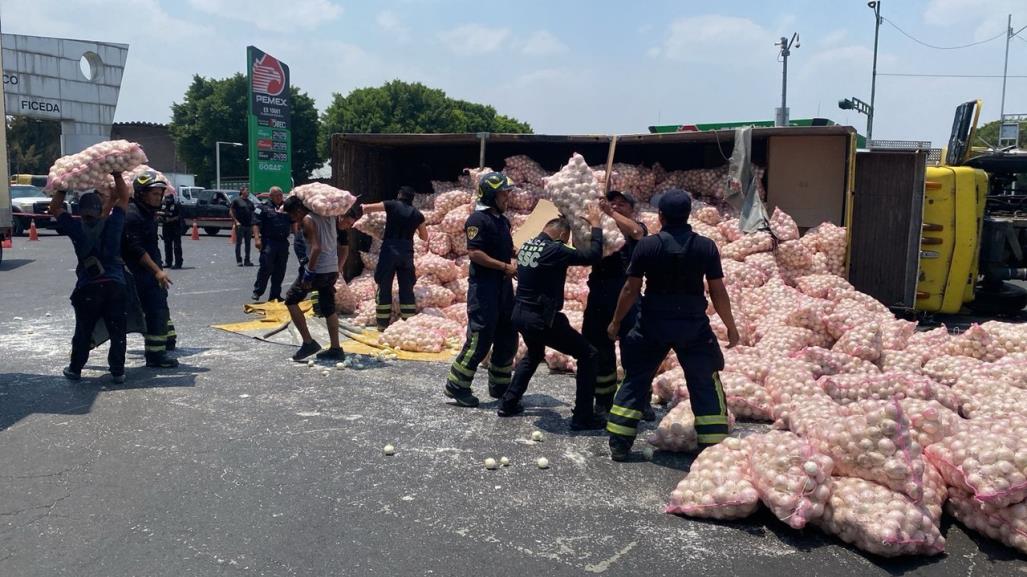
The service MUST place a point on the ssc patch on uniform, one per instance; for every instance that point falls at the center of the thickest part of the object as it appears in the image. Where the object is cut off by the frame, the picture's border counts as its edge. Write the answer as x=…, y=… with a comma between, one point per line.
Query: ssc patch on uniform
x=472, y=232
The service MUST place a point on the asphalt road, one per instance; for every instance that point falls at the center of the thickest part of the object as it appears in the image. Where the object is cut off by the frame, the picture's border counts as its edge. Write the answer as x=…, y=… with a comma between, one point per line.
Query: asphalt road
x=242, y=463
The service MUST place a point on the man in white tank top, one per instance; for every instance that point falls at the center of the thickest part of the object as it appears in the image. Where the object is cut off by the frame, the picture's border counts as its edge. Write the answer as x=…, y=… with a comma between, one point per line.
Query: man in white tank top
x=320, y=274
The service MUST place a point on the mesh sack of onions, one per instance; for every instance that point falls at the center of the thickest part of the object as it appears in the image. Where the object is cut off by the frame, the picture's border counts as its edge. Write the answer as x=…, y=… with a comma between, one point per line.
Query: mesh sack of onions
x=877, y=445
x=346, y=302
x=948, y=369
x=446, y=202
x=827, y=363
x=130, y=175
x=792, y=478
x=442, y=269
x=372, y=224
x=324, y=200
x=930, y=420
x=747, y=245
x=459, y=289
x=718, y=484
x=443, y=186
x=706, y=214
x=432, y=296
x=571, y=189
x=766, y=262
x=710, y=232
x=862, y=341
x=453, y=224
x=995, y=400
x=988, y=460
x=846, y=389
x=909, y=360
x=1005, y=524
x=785, y=340
x=666, y=384
x=976, y=343
x=458, y=246
x=370, y=260
x=676, y=431
x=523, y=170
x=730, y=230
x=365, y=316
x=472, y=176
x=820, y=285
x=557, y=361
x=1012, y=338
x=879, y=520
x=90, y=168
x=363, y=286
x=783, y=226
x=794, y=256
x=408, y=336
x=745, y=398
x=457, y=313
x=651, y=220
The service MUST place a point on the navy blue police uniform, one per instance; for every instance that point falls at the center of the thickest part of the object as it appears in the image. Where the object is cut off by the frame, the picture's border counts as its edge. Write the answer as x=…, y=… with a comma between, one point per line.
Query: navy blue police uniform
x=171, y=218
x=672, y=316
x=489, y=299
x=541, y=275
x=396, y=261
x=100, y=292
x=274, y=227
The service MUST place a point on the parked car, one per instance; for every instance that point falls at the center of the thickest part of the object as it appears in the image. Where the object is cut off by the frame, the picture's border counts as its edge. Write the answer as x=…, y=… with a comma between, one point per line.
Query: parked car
x=209, y=211
x=189, y=194
x=27, y=199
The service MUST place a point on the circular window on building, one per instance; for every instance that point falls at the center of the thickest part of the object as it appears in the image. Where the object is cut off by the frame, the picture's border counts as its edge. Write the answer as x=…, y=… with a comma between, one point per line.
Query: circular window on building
x=89, y=65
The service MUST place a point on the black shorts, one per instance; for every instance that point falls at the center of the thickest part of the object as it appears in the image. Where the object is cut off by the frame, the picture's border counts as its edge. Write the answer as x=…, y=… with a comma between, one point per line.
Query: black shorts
x=324, y=284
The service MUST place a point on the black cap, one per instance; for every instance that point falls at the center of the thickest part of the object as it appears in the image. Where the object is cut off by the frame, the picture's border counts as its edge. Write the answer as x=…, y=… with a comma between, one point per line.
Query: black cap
x=675, y=204
x=626, y=196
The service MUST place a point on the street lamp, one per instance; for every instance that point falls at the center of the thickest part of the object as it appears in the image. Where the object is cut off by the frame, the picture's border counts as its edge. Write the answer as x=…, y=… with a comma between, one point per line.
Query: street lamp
x=876, y=7
x=217, y=159
x=786, y=51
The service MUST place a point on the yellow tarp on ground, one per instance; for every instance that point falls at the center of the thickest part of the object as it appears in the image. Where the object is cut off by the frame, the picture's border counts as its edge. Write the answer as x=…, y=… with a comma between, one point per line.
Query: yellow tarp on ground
x=274, y=326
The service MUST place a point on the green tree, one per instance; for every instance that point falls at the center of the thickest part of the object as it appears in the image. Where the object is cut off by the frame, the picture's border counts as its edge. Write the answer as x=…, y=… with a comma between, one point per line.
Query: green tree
x=215, y=109
x=399, y=106
x=32, y=145
x=989, y=134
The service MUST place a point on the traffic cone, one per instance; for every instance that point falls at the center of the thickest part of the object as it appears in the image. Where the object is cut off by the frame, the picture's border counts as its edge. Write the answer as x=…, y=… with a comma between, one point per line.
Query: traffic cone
x=231, y=237
x=33, y=233
x=8, y=243
x=196, y=231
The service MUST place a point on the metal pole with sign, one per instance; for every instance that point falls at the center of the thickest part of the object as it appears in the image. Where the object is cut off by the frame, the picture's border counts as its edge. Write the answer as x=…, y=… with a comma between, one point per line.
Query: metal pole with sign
x=269, y=122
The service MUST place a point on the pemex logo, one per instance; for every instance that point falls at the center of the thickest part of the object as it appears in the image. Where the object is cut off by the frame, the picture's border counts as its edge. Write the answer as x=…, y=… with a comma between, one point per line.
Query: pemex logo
x=268, y=75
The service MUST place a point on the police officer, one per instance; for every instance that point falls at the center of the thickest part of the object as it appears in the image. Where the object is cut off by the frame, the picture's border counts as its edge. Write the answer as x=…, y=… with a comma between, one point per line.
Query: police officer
x=271, y=237
x=672, y=316
x=604, y=286
x=100, y=292
x=171, y=218
x=142, y=256
x=396, y=260
x=541, y=275
x=241, y=211
x=489, y=294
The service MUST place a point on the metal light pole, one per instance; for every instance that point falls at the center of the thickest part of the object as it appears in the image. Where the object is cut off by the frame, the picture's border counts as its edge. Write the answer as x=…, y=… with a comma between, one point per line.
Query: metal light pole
x=217, y=159
x=876, y=7
x=781, y=118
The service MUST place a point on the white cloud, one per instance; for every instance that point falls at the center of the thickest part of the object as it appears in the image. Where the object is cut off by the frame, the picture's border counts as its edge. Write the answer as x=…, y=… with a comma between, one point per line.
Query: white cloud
x=472, y=39
x=391, y=24
x=272, y=14
x=713, y=37
x=542, y=43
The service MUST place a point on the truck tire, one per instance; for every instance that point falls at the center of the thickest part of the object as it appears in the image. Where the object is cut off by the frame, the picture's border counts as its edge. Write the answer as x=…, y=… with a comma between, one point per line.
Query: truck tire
x=1008, y=299
x=211, y=230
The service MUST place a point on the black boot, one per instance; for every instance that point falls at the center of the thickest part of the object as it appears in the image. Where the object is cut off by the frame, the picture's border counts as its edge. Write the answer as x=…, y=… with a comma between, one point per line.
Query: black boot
x=462, y=396
x=161, y=361
x=589, y=423
x=620, y=448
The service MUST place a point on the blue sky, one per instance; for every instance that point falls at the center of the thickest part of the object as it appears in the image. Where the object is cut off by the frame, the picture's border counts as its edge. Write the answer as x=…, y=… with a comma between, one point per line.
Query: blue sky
x=570, y=66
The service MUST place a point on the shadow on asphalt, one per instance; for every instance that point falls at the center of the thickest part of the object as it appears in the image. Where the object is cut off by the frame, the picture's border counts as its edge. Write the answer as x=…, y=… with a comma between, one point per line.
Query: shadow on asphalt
x=14, y=263
x=23, y=394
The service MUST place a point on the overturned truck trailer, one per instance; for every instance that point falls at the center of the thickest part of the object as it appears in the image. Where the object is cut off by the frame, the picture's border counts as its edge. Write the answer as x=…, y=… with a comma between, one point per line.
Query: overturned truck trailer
x=809, y=173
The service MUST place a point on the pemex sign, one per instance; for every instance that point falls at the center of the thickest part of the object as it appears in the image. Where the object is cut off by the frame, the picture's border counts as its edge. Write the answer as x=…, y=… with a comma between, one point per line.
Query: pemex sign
x=270, y=134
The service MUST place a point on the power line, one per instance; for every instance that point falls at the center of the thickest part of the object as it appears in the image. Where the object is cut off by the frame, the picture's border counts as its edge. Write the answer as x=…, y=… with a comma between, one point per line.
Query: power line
x=949, y=75
x=918, y=41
